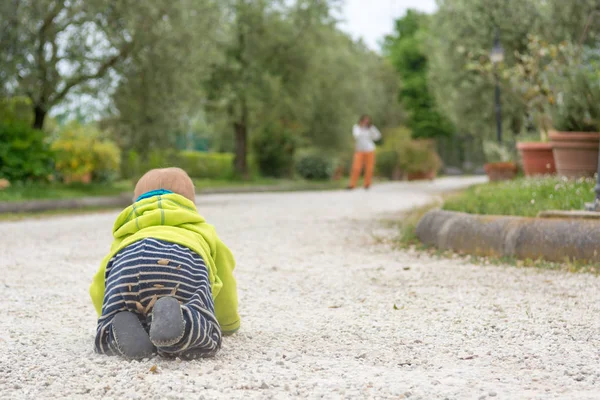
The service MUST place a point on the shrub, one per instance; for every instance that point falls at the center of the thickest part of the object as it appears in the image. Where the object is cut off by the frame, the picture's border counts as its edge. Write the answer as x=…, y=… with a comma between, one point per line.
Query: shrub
x=206, y=165
x=24, y=153
x=419, y=156
x=274, y=150
x=134, y=165
x=107, y=161
x=80, y=151
x=314, y=166
x=388, y=158
x=16, y=110
x=386, y=163
x=577, y=107
x=496, y=153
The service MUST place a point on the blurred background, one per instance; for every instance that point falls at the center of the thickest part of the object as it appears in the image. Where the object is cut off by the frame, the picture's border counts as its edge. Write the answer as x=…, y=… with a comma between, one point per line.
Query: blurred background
x=95, y=92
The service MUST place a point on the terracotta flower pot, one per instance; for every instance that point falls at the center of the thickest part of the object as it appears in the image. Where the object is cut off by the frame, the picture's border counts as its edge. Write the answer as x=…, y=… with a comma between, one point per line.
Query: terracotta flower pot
x=420, y=176
x=575, y=153
x=537, y=158
x=501, y=171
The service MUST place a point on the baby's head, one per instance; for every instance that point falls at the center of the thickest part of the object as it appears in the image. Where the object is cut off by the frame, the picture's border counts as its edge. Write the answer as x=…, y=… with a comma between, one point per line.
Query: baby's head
x=175, y=180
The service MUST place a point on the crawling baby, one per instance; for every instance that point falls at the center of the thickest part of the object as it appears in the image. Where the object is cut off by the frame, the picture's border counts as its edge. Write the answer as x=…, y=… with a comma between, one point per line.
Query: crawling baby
x=167, y=285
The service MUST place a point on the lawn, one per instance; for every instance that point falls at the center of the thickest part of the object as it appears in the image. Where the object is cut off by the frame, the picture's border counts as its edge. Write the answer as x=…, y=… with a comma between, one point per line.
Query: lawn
x=524, y=197
x=24, y=192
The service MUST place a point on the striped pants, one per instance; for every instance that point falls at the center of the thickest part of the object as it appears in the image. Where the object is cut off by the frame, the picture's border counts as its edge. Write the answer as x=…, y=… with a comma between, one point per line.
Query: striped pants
x=147, y=270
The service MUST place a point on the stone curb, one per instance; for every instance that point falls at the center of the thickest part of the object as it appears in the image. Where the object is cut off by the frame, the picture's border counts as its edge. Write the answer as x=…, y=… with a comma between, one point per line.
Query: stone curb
x=8, y=207
x=524, y=238
x=124, y=200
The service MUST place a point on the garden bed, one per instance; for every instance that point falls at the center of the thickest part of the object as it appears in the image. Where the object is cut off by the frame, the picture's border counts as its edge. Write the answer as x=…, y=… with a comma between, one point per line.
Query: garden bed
x=495, y=221
x=523, y=197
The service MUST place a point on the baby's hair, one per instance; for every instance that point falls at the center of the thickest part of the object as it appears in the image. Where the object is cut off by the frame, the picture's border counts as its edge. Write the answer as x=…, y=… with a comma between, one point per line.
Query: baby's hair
x=174, y=179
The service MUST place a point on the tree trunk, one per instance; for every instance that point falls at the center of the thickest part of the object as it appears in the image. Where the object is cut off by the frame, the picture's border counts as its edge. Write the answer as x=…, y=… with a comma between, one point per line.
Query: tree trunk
x=241, y=142
x=40, y=116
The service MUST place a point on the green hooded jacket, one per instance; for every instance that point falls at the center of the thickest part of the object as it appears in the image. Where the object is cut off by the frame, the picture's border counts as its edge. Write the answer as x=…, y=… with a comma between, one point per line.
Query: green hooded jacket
x=174, y=218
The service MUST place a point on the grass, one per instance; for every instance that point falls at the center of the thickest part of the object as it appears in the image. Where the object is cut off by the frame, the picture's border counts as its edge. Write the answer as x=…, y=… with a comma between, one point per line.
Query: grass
x=407, y=239
x=53, y=191
x=524, y=197
x=61, y=191
x=12, y=217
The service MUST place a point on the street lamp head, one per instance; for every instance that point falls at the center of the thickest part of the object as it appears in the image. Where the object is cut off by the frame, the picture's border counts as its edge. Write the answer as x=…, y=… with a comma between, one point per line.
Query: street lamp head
x=497, y=54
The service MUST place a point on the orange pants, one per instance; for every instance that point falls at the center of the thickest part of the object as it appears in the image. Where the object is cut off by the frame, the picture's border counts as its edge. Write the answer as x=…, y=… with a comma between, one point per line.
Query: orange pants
x=366, y=160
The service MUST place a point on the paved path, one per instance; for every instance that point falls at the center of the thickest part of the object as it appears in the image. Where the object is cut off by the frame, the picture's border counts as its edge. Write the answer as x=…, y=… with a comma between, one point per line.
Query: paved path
x=317, y=294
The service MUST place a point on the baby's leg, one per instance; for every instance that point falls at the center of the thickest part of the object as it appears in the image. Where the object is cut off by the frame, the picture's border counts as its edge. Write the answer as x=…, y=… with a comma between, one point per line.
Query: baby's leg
x=188, y=331
x=123, y=334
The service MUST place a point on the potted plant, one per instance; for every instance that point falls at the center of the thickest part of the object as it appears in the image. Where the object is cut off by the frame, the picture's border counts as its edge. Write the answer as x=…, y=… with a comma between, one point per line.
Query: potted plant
x=420, y=160
x=529, y=82
x=526, y=83
x=576, y=119
x=500, y=165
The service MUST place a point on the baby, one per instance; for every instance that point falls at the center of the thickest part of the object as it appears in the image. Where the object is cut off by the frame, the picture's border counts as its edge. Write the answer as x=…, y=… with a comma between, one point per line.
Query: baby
x=167, y=285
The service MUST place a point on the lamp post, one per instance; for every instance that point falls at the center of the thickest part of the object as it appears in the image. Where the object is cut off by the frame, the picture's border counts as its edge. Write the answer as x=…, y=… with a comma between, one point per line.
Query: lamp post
x=496, y=57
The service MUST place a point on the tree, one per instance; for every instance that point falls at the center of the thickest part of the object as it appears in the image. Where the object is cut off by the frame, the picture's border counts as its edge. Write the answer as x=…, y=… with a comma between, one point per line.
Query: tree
x=160, y=89
x=461, y=28
x=405, y=50
x=56, y=46
x=345, y=79
x=261, y=38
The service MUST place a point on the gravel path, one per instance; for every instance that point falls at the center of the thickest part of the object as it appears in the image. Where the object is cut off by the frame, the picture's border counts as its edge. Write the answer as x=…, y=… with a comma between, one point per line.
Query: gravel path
x=317, y=297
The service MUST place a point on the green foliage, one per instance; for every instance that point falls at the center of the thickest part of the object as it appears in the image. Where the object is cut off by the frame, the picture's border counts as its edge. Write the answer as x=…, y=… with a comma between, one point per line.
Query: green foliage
x=558, y=87
x=206, y=165
x=107, y=161
x=402, y=154
x=524, y=197
x=405, y=50
x=386, y=163
x=314, y=166
x=461, y=30
x=157, y=100
x=24, y=153
x=495, y=152
x=25, y=191
x=387, y=160
x=16, y=110
x=80, y=150
x=577, y=106
x=274, y=149
x=287, y=63
x=419, y=156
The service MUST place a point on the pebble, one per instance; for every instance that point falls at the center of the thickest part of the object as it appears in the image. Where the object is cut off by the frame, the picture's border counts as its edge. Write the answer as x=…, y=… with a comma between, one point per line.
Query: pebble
x=323, y=244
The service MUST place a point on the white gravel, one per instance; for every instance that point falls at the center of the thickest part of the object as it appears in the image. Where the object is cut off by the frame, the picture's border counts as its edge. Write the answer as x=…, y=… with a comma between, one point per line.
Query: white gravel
x=317, y=296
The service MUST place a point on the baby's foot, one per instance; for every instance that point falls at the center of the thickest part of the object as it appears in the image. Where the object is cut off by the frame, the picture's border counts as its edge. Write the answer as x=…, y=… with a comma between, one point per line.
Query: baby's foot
x=168, y=326
x=130, y=337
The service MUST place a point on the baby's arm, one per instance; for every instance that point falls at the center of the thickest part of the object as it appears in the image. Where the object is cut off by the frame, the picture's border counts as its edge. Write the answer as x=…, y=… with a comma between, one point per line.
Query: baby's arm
x=226, y=303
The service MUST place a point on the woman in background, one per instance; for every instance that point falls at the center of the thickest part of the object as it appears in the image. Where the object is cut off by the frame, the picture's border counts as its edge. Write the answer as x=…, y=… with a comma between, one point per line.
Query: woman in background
x=365, y=134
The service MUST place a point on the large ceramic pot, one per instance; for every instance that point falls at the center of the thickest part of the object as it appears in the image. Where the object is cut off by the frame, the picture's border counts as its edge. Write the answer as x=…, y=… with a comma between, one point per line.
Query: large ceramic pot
x=575, y=153
x=501, y=171
x=537, y=158
x=421, y=176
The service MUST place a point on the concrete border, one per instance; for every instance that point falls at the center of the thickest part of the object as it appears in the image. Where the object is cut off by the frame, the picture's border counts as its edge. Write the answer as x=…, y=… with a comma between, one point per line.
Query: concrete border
x=9, y=207
x=524, y=238
x=124, y=200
